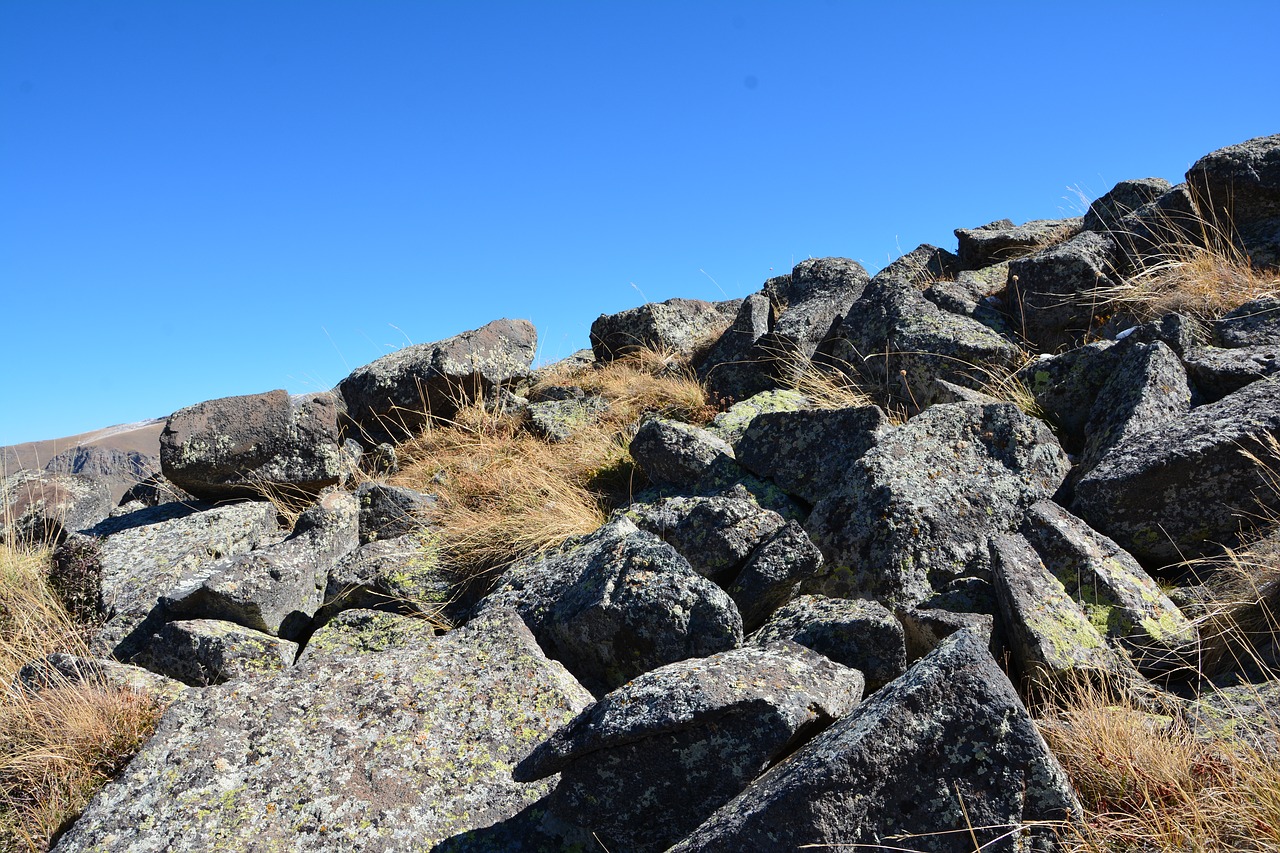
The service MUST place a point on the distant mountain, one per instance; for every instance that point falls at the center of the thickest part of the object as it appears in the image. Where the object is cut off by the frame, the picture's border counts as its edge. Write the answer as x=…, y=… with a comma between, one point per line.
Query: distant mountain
x=124, y=454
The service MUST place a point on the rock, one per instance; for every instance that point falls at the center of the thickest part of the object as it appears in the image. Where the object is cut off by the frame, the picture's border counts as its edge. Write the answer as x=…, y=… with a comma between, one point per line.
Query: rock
x=1003, y=241
x=401, y=574
x=773, y=574
x=1244, y=715
x=650, y=761
x=732, y=423
x=808, y=452
x=945, y=748
x=855, y=632
x=811, y=303
x=155, y=490
x=378, y=752
x=1168, y=226
x=200, y=652
x=248, y=446
x=732, y=368
x=558, y=420
x=391, y=398
x=1107, y=211
x=122, y=469
x=675, y=453
x=388, y=512
x=1122, y=602
x=677, y=326
x=715, y=534
x=1173, y=492
x=60, y=670
x=144, y=554
x=1218, y=372
x=367, y=632
x=617, y=603
x=41, y=507
x=1054, y=292
x=276, y=589
x=1066, y=385
x=1255, y=323
x=925, y=628
x=921, y=266
x=1238, y=189
x=915, y=511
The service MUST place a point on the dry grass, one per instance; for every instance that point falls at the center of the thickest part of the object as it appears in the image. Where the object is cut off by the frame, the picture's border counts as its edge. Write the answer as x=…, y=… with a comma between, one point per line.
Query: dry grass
x=58, y=746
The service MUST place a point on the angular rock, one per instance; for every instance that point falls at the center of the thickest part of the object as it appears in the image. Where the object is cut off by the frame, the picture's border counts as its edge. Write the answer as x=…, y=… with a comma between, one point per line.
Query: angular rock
x=402, y=575
x=155, y=490
x=1003, y=241
x=945, y=748
x=246, y=446
x=276, y=589
x=367, y=632
x=925, y=628
x=773, y=574
x=60, y=669
x=43, y=506
x=200, y=652
x=1165, y=227
x=1106, y=212
x=1238, y=189
x=1066, y=385
x=915, y=511
x=675, y=453
x=808, y=452
x=812, y=301
x=732, y=369
x=1255, y=323
x=1054, y=291
x=855, y=632
x=388, y=512
x=715, y=534
x=732, y=423
x=558, y=420
x=382, y=752
x=922, y=265
x=677, y=326
x=391, y=398
x=1174, y=492
x=649, y=762
x=1218, y=372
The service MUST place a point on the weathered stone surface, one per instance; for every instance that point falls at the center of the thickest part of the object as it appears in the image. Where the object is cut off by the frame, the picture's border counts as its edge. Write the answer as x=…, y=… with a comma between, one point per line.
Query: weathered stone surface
x=852, y=631
x=1167, y=226
x=921, y=266
x=558, y=420
x=946, y=747
x=275, y=589
x=773, y=574
x=675, y=453
x=808, y=452
x=732, y=368
x=650, y=761
x=393, y=396
x=44, y=506
x=812, y=302
x=915, y=511
x=1053, y=292
x=200, y=652
x=732, y=423
x=617, y=603
x=144, y=554
x=1004, y=241
x=1255, y=323
x=715, y=534
x=60, y=669
x=1066, y=385
x=677, y=326
x=1244, y=715
x=924, y=629
x=155, y=490
x=1124, y=198
x=1238, y=188
x=1173, y=492
x=245, y=446
x=1218, y=372
x=401, y=574
x=393, y=751
x=388, y=512
x=366, y=632
x=1120, y=599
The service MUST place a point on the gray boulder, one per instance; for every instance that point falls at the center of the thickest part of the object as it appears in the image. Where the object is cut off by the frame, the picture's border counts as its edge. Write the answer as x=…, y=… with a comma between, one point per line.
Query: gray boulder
x=200, y=652
x=1238, y=189
x=678, y=454
x=41, y=507
x=388, y=512
x=1218, y=372
x=59, y=670
x=1255, y=323
x=812, y=301
x=924, y=629
x=367, y=632
x=1003, y=241
x=391, y=398
x=733, y=368
x=677, y=327
x=1167, y=226
x=1106, y=211
x=942, y=752
x=915, y=511
x=774, y=573
x=1054, y=292
x=1066, y=385
x=715, y=534
x=921, y=266
x=1175, y=491
x=248, y=446
x=852, y=631
x=732, y=423
x=382, y=752
x=649, y=762
x=558, y=420
x=401, y=574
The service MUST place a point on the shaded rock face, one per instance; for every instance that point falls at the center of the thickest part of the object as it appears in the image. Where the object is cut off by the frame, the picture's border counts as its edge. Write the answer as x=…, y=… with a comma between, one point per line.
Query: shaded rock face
x=715, y=534
x=1106, y=212
x=392, y=397
x=677, y=326
x=1003, y=241
x=1052, y=289
x=675, y=453
x=946, y=747
x=44, y=506
x=650, y=761
x=245, y=446
x=376, y=752
x=1238, y=187
x=1255, y=323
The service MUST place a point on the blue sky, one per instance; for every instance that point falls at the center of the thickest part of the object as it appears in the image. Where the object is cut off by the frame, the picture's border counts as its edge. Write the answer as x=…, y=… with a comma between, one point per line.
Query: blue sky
x=201, y=199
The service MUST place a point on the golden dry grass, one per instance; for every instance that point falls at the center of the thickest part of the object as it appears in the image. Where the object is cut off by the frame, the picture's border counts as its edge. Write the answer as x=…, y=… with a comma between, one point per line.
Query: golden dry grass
x=58, y=746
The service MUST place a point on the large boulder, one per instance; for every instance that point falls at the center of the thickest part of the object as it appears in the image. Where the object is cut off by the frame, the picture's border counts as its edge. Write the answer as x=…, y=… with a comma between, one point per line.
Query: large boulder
x=1055, y=292
x=385, y=752
x=1003, y=241
x=255, y=444
x=1218, y=372
x=653, y=759
x=1255, y=323
x=41, y=507
x=392, y=397
x=715, y=534
x=732, y=369
x=676, y=327
x=200, y=652
x=387, y=512
x=945, y=755
x=1238, y=189
x=401, y=574
x=677, y=454
x=1107, y=210
x=774, y=573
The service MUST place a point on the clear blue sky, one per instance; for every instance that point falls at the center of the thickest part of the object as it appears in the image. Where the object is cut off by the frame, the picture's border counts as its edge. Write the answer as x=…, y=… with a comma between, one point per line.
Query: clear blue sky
x=201, y=199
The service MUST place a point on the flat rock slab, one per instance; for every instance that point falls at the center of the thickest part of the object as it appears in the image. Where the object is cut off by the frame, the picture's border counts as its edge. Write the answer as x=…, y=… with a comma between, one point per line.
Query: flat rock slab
x=391, y=752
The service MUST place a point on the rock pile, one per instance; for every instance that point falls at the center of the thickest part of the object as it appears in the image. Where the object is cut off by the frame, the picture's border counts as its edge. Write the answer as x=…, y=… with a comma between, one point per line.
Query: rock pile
x=791, y=639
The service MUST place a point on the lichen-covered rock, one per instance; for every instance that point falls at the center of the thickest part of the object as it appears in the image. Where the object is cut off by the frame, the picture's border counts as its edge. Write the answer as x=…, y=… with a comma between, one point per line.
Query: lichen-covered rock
x=677, y=326
x=715, y=534
x=1066, y=385
x=855, y=632
x=155, y=490
x=921, y=266
x=365, y=632
x=1218, y=372
x=813, y=300
x=1107, y=210
x=732, y=423
x=41, y=507
x=1168, y=225
x=808, y=452
x=60, y=670
x=1054, y=290
x=675, y=453
x=617, y=603
x=245, y=446
x=1121, y=600
x=274, y=589
x=651, y=760
x=1003, y=241
x=401, y=574
x=200, y=652
x=1174, y=492
x=392, y=397
x=733, y=368
x=558, y=420
x=942, y=752
x=388, y=512
x=1255, y=323
x=774, y=573
x=924, y=629
x=392, y=751
x=1238, y=189
x=1244, y=715
x=915, y=511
